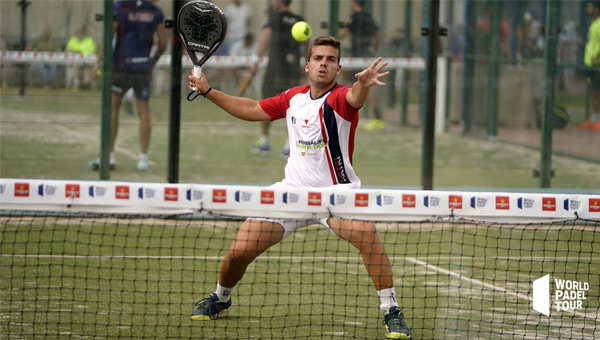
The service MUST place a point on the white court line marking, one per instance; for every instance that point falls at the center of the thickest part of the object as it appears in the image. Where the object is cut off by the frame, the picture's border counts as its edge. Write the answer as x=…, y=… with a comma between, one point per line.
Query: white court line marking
x=120, y=150
x=325, y=258
x=487, y=285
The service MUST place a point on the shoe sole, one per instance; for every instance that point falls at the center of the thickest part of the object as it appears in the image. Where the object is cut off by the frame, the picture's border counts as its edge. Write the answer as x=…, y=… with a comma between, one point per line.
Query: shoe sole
x=209, y=317
x=401, y=336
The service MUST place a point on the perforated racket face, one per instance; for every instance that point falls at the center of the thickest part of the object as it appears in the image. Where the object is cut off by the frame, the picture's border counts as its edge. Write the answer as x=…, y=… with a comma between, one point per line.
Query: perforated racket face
x=202, y=27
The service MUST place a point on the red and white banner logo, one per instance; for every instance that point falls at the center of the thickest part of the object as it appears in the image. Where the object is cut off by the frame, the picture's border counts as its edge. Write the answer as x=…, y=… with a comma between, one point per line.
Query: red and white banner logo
x=502, y=203
x=219, y=196
x=595, y=205
x=361, y=200
x=549, y=204
x=21, y=189
x=314, y=198
x=455, y=202
x=171, y=194
x=122, y=192
x=409, y=201
x=267, y=197
x=72, y=191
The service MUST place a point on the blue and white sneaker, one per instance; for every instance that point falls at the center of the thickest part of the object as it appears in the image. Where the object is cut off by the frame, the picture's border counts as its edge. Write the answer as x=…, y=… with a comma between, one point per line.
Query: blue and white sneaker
x=260, y=148
x=210, y=308
x=395, y=324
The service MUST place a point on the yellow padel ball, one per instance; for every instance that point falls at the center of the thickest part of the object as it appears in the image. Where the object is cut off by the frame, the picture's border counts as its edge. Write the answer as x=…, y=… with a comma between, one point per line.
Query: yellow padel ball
x=301, y=31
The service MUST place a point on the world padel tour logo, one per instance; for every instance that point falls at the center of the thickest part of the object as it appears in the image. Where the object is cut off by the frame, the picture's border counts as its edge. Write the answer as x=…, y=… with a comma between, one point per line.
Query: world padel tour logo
x=568, y=295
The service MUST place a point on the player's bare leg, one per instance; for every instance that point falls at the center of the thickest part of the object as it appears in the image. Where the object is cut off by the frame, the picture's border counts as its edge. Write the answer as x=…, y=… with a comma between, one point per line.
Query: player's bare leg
x=363, y=236
x=253, y=238
x=145, y=130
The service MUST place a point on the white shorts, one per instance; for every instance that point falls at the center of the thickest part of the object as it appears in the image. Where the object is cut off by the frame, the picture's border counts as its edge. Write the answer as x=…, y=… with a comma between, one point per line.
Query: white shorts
x=291, y=225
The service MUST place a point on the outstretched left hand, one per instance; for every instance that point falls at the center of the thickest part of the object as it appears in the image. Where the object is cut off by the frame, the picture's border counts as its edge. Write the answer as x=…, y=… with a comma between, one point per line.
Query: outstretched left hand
x=370, y=76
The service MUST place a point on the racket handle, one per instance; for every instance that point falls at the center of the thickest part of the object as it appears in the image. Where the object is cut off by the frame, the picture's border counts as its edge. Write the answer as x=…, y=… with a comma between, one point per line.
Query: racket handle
x=197, y=74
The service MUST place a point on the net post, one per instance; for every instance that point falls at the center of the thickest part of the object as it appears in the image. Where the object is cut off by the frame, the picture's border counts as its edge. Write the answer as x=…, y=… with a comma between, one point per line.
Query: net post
x=175, y=103
x=431, y=71
x=104, y=170
x=549, y=71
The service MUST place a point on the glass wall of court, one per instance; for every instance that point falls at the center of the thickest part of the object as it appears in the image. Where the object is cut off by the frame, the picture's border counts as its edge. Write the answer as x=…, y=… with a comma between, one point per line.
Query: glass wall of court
x=490, y=106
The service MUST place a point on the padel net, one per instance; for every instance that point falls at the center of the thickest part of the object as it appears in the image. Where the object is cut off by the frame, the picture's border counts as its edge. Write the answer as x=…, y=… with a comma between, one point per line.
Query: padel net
x=92, y=259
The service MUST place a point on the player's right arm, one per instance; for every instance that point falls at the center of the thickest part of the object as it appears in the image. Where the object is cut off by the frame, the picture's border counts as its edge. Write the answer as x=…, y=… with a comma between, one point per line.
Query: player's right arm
x=240, y=107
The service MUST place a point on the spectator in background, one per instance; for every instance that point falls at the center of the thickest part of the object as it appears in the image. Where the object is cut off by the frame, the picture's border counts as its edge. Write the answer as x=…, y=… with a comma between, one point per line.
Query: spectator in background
x=136, y=24
x=592, y=61
x=45, y=43
x=284, y=69
x=243, y=48
x=238, y=22
x=83, y=44
x=484, y=28
x=365, y=40
x=531, y=38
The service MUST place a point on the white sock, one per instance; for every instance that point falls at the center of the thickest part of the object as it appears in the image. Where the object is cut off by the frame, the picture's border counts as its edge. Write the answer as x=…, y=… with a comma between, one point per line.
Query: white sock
x=388, y=298
x=112, y=159
x=264, y=139
x=143, y=156
x=223, y=293
x=595, y=116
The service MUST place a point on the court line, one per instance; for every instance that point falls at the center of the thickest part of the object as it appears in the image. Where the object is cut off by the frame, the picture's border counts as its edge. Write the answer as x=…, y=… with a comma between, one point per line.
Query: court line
x=488, y=285
x=328, y=258
x=88, y=137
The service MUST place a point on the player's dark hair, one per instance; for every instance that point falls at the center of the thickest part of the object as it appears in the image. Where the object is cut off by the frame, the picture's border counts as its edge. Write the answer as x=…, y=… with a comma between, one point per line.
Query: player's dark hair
x=287, y=2
x=595, y=3
x=325, y=40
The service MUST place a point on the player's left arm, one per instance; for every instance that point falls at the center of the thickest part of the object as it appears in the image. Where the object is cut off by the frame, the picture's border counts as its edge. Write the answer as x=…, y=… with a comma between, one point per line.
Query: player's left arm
x=364, y=80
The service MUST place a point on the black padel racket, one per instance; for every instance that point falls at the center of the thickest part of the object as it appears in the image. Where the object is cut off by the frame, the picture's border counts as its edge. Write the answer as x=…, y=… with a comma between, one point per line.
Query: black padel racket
x=202, y=27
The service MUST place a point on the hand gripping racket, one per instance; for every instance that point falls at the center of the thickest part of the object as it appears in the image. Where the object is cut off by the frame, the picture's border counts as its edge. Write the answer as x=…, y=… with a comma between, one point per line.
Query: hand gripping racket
x=202, y=27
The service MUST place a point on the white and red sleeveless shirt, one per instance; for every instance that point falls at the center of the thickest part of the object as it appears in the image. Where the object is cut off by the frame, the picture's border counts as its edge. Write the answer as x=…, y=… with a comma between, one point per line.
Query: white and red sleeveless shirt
x=321, y=134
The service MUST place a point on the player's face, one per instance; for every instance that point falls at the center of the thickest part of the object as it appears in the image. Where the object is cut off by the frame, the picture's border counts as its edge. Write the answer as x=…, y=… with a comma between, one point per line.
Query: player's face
x=323, y=66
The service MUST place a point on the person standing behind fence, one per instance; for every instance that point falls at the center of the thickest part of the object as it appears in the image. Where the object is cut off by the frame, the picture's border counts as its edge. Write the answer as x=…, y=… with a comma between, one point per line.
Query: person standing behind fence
x=365, y=39
x=45, y=43
x=592, y=61
x=238, y=22
x=284, y=69
x=83, y=44
x=136, y=23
